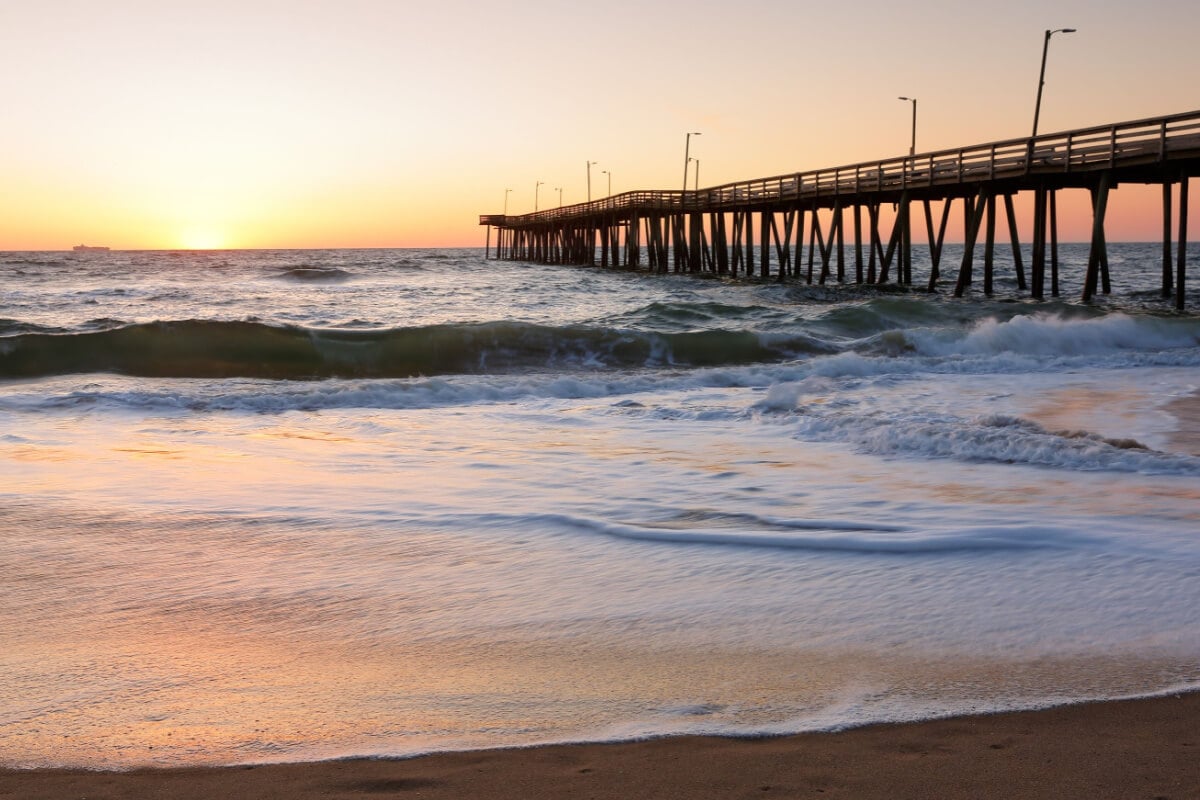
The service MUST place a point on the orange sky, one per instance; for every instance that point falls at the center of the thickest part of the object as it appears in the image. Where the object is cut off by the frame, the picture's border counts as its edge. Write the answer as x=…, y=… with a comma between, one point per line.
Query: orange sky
x=392, y=123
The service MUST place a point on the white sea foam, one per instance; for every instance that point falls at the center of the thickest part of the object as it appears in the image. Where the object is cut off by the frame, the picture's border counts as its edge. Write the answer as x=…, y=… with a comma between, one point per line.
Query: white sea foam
x=263, y=396
x=849, y=536
x=995, y=438
x=1049, y=335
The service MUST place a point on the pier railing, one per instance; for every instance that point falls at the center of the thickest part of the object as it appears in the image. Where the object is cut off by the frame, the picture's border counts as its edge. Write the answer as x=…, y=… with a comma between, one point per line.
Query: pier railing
x=1127, y=144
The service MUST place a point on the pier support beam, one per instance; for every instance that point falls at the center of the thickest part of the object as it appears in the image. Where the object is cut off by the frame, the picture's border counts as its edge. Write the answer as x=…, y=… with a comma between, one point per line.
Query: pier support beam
x=896, y=240
x=1167, y=278
x=874, y=246
x=858, y=243
x=989, y=247
x=766, y=223
x=1099, y=207
x=1181, y=263
x=749, y=225
x=1037, y=269
x=783, y=245
x=1018, y=266
x=737, y=259
x=936, y=240
x=798, y=262
x=969, y=237
x=1053, y=243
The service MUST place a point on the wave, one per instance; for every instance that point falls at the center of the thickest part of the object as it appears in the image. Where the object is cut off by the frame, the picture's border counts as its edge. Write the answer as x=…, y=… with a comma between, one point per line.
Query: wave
x=690, y=315
x=785, y=387
x=214, y=349
x=10, y=327
x=995, y=438
x=847, y=536
x=1050, y=335
x=315, y=274
x=33, y=261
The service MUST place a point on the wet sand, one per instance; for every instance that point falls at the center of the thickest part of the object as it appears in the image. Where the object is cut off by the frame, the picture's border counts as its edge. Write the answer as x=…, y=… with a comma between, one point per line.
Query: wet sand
x=1186, y=411
x=1126, y=749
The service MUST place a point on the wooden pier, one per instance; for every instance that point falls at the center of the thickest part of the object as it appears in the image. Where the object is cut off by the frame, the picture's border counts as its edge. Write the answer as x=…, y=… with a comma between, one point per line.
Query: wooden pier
x=757, y=228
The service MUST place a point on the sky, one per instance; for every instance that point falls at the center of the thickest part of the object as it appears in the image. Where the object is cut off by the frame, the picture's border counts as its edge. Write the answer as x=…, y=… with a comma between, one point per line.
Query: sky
x=148, y=124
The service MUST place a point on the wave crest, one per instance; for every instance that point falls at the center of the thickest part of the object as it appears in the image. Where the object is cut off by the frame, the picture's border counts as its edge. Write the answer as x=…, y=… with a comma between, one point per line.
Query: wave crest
x=215, y=349
x=1052, y=335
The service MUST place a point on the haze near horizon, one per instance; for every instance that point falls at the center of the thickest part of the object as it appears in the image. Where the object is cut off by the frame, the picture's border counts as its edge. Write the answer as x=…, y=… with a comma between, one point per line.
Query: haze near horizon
x=138, y=124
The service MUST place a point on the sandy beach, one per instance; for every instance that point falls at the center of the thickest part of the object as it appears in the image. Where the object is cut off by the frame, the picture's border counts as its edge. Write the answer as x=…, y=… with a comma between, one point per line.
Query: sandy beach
x=1126, y=749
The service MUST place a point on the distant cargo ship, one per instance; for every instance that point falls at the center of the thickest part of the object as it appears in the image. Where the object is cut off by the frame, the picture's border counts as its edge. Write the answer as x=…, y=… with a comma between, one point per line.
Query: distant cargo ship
x=83, y=248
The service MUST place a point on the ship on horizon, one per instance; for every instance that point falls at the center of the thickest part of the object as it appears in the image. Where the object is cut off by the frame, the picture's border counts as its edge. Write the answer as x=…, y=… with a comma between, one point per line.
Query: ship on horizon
x=84, y=248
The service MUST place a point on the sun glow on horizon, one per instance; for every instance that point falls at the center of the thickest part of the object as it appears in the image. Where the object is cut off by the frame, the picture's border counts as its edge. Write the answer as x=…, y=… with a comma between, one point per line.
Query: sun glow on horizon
x=200, y=238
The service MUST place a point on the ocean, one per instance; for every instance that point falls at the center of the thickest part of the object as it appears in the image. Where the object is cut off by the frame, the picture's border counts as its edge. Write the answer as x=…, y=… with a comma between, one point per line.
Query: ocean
x=263, y=506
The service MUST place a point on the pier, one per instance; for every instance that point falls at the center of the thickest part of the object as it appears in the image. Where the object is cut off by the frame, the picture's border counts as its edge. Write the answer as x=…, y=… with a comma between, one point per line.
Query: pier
x=757, y=228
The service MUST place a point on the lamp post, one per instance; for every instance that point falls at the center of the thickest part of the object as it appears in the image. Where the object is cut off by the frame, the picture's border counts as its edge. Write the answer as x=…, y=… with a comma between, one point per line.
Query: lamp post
x=687, y=143
x=1037, y=108
x=609, y=174
x=912, y=148
x=536, y=186
x=506, y=193
x=696, y=184
x=559, y=190
x=589, y=171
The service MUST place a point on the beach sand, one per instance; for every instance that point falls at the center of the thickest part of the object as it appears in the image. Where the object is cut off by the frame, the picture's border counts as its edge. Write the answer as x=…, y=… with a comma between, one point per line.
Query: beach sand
x=1125, y=749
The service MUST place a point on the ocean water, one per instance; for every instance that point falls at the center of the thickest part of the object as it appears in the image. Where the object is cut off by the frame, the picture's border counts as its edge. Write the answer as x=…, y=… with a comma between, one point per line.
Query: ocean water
x=292, y=505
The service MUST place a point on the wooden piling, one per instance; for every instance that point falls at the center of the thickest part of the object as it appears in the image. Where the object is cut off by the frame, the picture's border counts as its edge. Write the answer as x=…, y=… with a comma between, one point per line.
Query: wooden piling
x=749, y=231
x=1053, y=243
x=858, y=254
x=1167, y=279
x=1018, y=267
x=766, y=221
x=936, y=242
x=1181, y=264
x=874, y=247
x=814, y=230
x=1037, y=267
x=972, y=232
x=1099, y=207
x=989, y=247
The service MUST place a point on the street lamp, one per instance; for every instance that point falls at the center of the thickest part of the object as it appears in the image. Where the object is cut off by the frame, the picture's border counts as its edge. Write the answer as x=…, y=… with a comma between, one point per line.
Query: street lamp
x=559, y=190
x=912, y=148
x=506, y=193
x=1037, y=109
x=536, y=186
x=609, y=174
x=696, y=185
x=589, y=170
x=687, y=143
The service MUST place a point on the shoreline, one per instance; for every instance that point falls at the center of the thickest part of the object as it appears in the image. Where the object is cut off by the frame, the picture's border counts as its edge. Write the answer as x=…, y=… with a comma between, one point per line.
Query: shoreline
x=1147, y=748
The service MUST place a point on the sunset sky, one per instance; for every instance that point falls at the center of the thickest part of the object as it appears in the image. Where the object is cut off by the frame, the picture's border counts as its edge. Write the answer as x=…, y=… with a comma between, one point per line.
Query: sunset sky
x=380, y=123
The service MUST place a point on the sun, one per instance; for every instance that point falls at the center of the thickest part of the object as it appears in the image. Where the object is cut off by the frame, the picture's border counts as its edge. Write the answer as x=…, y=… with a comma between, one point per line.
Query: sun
x=202, y=239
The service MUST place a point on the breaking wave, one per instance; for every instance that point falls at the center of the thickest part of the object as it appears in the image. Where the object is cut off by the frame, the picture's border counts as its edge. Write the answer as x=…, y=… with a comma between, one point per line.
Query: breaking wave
x=214, y=349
